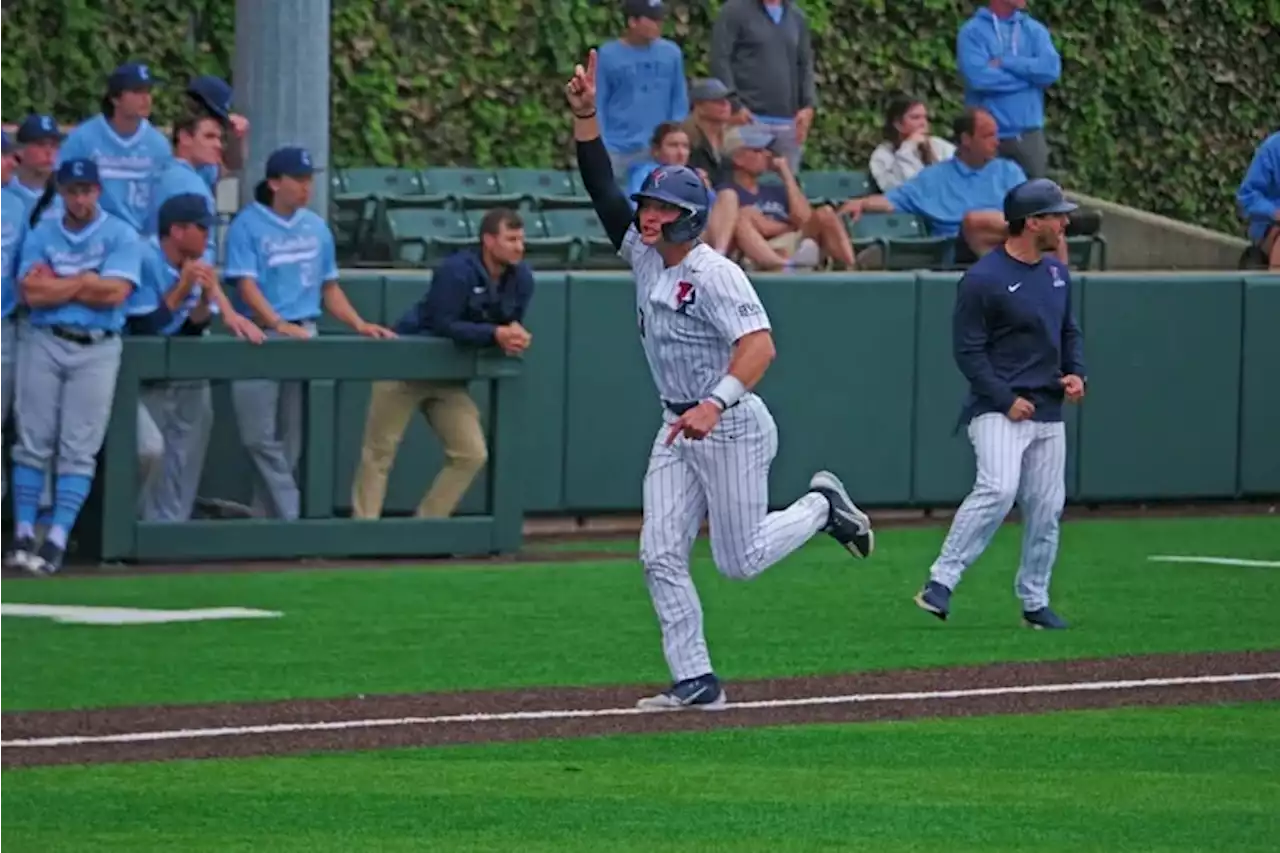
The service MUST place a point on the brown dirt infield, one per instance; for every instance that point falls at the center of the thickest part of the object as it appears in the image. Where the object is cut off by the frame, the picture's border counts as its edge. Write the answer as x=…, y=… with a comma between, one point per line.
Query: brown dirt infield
x=170, y=719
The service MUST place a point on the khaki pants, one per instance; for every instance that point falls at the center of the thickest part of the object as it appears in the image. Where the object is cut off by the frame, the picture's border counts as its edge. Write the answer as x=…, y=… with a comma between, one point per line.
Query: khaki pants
x=455, y=419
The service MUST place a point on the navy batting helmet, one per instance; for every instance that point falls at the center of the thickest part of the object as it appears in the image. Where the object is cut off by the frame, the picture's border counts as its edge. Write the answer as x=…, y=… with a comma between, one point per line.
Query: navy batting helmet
x=680, y=187
x=1039, y=197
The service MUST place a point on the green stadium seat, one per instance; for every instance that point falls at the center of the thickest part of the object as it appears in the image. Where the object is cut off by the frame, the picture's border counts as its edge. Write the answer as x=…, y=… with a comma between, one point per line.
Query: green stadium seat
x=421, y=236
x=595, y=250
x=542, y=188
x=1086, y=252
x=383, y=181
x=470, y=188
x=904, y=238
x=351, y=218
x=834, y=187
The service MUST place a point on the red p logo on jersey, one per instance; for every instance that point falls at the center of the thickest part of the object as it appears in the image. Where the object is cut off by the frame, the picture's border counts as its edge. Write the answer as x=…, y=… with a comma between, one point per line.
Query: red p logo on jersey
x=685, y=296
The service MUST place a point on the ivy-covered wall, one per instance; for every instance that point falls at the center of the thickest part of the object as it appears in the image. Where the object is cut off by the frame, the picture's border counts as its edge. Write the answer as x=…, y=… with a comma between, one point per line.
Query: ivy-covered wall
x=1161, y=102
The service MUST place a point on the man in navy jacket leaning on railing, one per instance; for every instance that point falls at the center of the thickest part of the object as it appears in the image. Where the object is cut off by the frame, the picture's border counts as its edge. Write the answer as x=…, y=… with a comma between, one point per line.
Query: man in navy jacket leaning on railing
x=478, y=297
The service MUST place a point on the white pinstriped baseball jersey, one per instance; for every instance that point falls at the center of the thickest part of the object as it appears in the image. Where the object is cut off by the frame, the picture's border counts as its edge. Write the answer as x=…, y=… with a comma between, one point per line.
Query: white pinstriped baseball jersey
x=690, y=315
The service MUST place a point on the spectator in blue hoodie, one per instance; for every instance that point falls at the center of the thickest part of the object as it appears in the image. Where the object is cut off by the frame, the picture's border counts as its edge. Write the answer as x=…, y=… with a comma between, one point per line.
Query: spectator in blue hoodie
x=477, y=298
x=1259, y=199
x=639, y=85
x=1007, y=60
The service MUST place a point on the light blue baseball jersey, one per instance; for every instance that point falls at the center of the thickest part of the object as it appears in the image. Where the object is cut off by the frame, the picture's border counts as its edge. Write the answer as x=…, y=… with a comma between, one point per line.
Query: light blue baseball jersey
x=106, y=246
x=289, y=258
x=30, y=196
x=13, y=219
x=158, y=277
x=127, y=167
x=177, y=178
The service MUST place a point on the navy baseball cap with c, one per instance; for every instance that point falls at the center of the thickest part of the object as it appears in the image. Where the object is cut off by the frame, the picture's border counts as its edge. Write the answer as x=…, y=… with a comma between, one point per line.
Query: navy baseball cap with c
x=130, y=77
x=290, y=162
x=39, y=128
x=185, y=209
x=214, y=93
x=78, y=171
x=1039, y=197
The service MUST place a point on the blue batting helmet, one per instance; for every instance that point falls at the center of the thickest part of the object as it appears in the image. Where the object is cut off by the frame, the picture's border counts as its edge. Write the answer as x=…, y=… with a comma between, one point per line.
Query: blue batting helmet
x=1039, y=197
x=680, y=187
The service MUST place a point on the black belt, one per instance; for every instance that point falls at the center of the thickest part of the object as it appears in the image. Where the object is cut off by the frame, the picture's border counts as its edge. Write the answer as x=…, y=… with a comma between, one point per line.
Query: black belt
x=78, y=337
x=680, y=408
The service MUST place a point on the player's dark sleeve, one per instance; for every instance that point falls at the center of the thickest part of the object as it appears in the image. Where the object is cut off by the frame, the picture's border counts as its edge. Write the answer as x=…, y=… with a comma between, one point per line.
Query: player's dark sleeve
x=445, y=308
x=149, y=324
x=969, y=336
x=597, y=176
x=1072, y=345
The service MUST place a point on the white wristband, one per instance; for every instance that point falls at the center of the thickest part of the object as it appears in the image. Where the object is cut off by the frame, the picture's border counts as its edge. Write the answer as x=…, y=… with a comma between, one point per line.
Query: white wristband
x=728, y=390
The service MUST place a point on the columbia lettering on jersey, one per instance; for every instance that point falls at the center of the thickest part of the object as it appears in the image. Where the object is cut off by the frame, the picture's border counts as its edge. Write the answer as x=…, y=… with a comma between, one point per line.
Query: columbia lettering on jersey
x=106, y=246
x=290, y=259
x=128, y=167
x=690, y=315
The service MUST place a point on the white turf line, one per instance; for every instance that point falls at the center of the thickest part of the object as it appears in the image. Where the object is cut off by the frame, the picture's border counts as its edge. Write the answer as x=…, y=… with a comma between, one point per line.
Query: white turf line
x=289, y=728
x=1215, y=561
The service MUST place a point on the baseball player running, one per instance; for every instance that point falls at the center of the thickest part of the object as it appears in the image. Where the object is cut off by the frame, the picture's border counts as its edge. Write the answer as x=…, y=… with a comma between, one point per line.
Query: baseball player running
x=1017, y=343
x=75, y=276
x=707, y=339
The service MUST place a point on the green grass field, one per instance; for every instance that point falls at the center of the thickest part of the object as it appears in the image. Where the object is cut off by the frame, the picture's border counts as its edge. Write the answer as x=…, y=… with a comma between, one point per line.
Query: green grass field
x=1187, y=779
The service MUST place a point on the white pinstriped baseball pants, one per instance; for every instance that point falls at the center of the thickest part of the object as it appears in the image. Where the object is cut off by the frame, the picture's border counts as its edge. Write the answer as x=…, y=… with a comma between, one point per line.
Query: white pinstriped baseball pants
x=724, y=478
x=1022, y=461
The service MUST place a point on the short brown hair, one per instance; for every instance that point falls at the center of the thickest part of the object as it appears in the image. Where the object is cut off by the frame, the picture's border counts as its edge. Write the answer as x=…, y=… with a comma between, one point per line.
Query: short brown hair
x=188, y=123
x=662, y=131
x=498, y=218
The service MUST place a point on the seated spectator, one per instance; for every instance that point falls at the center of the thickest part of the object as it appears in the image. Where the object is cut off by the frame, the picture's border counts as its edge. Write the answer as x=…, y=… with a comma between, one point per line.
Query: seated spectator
x=478, y=298
x=639, y=84
x=776, y=228
x=706, y=125
x=671, y=148
x=1259, y=200
x=962, y=197
x=907, y=148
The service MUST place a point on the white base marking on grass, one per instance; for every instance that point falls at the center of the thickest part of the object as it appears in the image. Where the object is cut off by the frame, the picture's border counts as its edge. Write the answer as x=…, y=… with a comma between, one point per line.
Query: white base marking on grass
x=76, y=615
x=1215, y=561
x=338, y=725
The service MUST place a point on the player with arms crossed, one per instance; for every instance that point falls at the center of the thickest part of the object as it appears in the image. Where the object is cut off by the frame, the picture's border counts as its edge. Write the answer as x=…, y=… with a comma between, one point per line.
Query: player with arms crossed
x=1018, y=344
x=707, y=340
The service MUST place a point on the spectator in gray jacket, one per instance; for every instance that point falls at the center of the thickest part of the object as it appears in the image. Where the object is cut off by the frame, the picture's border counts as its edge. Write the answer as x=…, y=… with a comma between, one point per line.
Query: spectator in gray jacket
x=762, y=50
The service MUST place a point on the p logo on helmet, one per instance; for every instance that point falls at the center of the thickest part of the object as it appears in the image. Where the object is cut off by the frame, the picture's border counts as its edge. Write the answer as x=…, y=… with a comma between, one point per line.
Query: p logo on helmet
x=680, y=187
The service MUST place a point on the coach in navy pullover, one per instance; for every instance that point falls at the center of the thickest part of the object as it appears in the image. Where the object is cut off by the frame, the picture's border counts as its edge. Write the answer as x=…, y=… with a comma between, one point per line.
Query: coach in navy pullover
x=1014, y=334
x=466, y=304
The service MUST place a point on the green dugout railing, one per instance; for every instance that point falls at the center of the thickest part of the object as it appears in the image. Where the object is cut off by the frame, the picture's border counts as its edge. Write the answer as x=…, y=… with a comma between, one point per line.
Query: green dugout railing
x=323, y=363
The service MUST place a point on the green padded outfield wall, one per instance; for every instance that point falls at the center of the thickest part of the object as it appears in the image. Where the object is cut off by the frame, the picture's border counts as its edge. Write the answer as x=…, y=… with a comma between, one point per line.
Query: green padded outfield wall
x=1182, y=400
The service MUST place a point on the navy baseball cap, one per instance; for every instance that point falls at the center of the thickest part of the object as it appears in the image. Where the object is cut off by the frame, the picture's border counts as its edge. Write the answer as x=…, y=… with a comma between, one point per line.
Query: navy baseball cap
x=214, y=93
x=38, y=128
x=1039, y=197
x=78, y=171
x=131, y=76
x=185, y=209
x=652, y=9
x=8, y=143
x=291, y=161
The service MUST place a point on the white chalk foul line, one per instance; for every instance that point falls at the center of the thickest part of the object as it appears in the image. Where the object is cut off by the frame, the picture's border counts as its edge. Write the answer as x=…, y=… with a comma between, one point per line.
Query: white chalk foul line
x=512, y=716
x=1215, y=561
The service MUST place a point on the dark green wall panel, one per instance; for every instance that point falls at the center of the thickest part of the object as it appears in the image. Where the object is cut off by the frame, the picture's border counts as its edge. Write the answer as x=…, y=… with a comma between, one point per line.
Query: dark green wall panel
x=1260, y=409
x=365, y=294
x=840, y=387
x=612, y=411
x=1161, y=416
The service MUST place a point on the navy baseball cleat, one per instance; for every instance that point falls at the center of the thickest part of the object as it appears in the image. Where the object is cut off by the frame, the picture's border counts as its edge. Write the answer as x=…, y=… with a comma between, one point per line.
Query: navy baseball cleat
x=1043, y=619
x=935, y=598
x=703, y=693
x=46, y=561
x=846, y=524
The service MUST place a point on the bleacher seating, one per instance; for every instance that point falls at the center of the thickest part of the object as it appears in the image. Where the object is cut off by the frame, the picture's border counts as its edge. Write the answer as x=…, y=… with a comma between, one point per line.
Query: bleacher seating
x=403, y=216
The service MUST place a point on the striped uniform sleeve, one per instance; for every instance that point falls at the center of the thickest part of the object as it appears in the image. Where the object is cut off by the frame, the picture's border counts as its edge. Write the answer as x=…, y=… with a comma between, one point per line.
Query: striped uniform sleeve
x=730, y=303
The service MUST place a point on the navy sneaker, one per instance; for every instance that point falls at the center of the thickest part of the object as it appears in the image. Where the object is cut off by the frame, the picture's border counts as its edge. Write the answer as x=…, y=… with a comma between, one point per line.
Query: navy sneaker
x=22, y=555
x=935, y=598
x=1043, y=619
x=47, y=561
x=703, y=693
x=846, y=524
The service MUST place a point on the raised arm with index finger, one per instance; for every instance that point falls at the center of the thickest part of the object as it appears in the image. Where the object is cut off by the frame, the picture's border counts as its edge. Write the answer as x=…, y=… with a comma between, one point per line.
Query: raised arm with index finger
x=593, y=158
